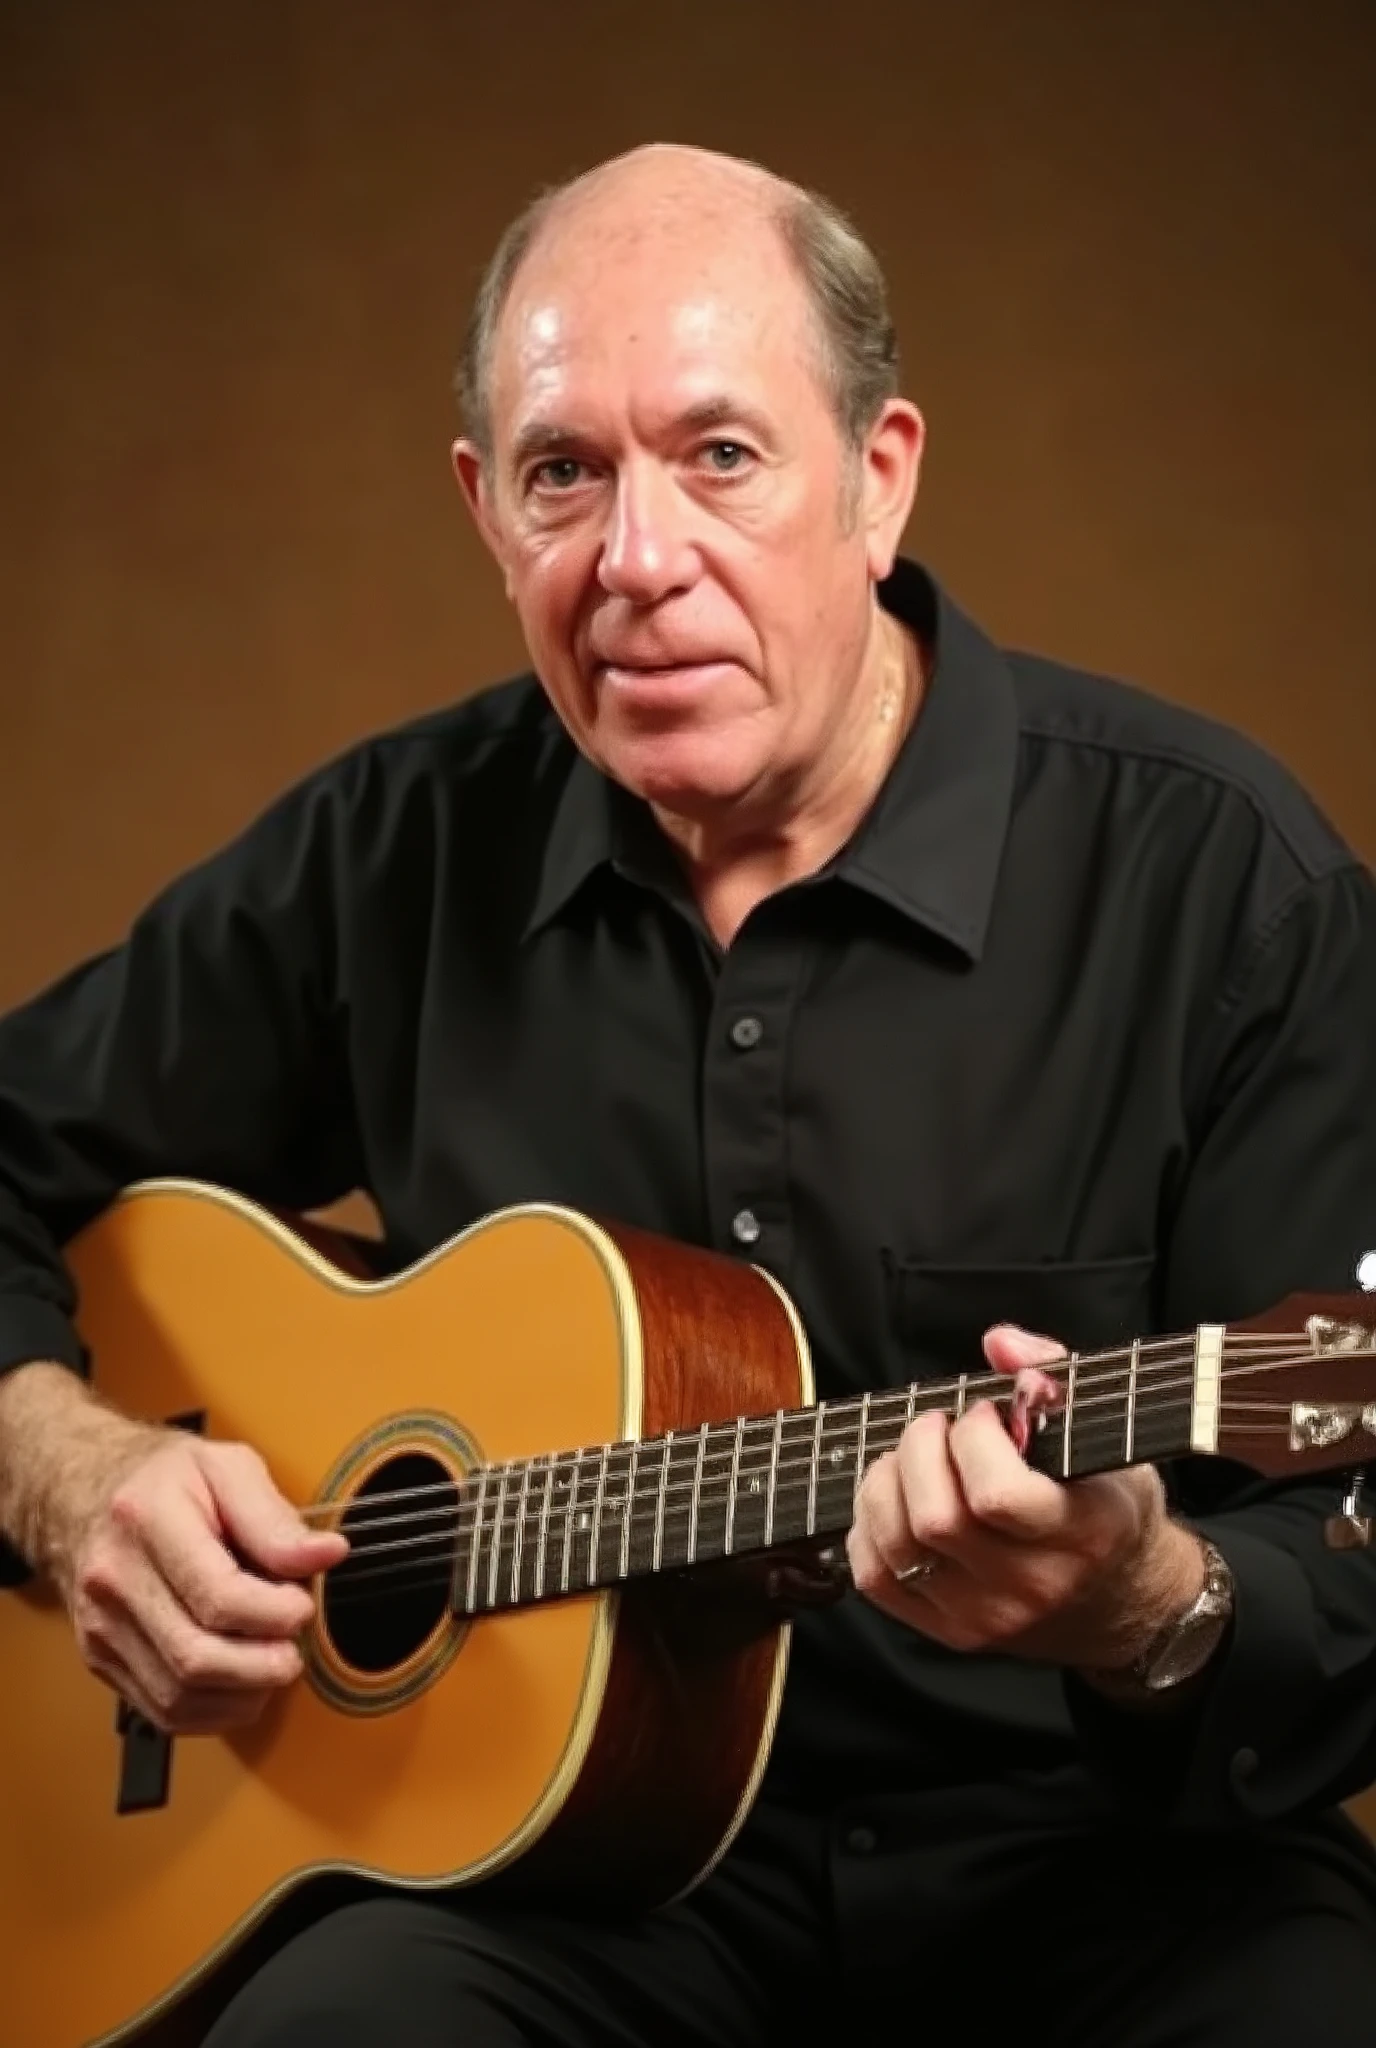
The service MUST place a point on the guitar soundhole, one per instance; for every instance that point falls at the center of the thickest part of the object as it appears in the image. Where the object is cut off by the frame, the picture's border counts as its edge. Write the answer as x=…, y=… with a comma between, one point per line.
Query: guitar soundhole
x=392, y=1591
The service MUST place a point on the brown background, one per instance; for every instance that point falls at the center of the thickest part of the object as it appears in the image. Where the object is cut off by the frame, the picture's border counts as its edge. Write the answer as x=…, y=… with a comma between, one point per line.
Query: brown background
x=1131, y=252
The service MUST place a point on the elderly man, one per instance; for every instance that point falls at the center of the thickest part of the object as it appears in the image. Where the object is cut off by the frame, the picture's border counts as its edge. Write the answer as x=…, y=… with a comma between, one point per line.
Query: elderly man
x=780, y=912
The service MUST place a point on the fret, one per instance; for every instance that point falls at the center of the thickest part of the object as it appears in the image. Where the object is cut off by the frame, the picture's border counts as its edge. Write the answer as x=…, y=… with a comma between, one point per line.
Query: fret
x=696, y=1500
x=960, y=1396
x=910, y=1406
x=776, y=1438
x=496, y=1564
x=752, y=1484
x=812, y=1470
x=570, y=1512
x=1130, y=1423
x=521, y=1500
x=1068, y=1412
x=542, y=1539
x=597, y=1515
x=657, y=1553
x=860, y=1442
x=732, y=1483
x=471, y=1590
x=626, y=1513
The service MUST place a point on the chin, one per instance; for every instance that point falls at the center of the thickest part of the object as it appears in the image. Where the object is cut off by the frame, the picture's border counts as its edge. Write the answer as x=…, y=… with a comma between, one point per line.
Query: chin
x=680, y=772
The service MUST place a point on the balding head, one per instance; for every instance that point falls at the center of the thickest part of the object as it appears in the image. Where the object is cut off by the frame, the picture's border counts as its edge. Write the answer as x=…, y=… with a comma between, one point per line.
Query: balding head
x=692, y=490
x=674, y=190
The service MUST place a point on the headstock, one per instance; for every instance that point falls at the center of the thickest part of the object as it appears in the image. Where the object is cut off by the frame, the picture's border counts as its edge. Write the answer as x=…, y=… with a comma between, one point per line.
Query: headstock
x=1298, y=1385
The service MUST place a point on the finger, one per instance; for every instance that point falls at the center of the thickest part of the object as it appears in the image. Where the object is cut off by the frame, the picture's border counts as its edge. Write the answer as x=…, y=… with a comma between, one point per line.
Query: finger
x=1009, y=1348
x=143, y=1614
x=935, y=1516
x=261, y=1523
x=128, y=1659
x=1003, y=1494
x=881, y=1510
x=183, y=1544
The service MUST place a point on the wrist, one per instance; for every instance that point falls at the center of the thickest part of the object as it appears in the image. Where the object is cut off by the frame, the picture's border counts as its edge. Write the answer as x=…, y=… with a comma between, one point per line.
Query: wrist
x=1188, y=1634
x=1169, y=1580
x=58, y=1443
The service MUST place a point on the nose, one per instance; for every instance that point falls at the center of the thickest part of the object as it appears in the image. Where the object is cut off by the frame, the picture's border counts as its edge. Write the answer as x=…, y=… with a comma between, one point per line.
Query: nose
x=647, y=551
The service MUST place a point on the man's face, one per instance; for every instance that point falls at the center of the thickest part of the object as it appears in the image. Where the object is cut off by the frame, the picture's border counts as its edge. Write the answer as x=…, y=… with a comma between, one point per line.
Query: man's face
x=683, y=532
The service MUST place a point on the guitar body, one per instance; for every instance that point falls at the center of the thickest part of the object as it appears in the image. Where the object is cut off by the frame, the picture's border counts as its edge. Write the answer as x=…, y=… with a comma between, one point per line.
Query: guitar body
x=602, y=1747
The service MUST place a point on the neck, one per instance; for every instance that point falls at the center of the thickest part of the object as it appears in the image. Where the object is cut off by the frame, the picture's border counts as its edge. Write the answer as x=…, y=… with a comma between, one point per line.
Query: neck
x=749, y=853
x=536, y=1529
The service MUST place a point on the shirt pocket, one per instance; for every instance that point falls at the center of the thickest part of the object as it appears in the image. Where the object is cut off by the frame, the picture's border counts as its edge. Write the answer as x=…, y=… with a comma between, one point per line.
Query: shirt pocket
x=937, y=1314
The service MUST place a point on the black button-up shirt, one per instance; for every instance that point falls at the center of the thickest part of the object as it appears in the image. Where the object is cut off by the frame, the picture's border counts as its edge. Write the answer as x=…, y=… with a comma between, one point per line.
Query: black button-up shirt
x=1078, y=1030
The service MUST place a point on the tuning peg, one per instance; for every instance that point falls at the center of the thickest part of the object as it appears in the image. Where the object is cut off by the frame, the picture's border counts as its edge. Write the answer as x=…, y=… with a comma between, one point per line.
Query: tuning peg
x=1366, y=1272
x=1350, y=1530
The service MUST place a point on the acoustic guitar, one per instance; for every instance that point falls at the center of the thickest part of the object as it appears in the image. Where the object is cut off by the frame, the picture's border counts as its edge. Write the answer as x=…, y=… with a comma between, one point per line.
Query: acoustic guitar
x=575, y=1464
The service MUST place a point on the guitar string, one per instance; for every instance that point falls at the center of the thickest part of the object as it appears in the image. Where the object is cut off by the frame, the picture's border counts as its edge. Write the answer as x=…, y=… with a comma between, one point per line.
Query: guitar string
x=720, y=1455
x=994, y=1386
x=422, y=1574
x=445, y=1538
x=723, y=1449
x=984, y=1385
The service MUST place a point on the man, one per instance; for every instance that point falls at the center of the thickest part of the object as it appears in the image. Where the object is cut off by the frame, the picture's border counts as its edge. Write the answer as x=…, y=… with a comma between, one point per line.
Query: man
x=956, y=989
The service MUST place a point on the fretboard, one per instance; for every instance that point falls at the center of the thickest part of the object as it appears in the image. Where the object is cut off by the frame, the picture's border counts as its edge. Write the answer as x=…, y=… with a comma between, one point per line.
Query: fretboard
x=543, y=1528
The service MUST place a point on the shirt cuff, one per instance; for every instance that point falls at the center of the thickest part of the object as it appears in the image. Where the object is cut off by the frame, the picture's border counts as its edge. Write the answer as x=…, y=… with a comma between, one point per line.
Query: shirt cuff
x=1228, y=1754
x=31, y=1331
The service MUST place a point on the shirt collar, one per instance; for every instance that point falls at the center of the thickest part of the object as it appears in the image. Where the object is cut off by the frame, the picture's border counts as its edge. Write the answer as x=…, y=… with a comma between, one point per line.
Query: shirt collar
x=931, y=844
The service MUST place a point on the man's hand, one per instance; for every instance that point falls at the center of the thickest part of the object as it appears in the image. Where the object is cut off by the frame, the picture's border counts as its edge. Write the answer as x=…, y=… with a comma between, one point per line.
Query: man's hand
x=1083, y=1574
x=175, y=1557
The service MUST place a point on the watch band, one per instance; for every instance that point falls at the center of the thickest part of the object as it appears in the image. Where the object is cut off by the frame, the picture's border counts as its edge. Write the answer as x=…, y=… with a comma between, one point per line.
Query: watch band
x=1181, y=1649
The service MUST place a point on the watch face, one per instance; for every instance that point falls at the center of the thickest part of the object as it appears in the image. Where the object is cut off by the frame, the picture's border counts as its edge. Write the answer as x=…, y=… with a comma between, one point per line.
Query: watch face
x=1188, y=1650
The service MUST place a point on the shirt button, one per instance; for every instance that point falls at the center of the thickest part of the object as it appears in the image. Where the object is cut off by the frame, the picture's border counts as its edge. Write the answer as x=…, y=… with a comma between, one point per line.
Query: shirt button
x=1244, y=1765
x=745, y=1226
x=861, y=1841
x=745, y=1032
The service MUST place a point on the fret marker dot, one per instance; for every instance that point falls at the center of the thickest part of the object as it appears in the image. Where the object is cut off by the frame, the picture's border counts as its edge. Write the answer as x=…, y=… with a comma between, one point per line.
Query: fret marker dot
x=1366, y=1272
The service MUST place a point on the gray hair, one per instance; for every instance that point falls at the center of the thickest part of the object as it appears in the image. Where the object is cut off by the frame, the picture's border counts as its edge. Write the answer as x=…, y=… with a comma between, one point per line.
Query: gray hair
x=840, y=273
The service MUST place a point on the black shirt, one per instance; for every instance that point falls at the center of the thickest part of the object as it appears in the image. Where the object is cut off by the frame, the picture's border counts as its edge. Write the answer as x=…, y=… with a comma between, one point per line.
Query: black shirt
x=1079, y=1030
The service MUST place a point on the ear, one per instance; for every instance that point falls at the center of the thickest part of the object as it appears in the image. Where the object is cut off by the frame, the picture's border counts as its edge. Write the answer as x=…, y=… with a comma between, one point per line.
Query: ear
x=890, y=462
x=473, y=480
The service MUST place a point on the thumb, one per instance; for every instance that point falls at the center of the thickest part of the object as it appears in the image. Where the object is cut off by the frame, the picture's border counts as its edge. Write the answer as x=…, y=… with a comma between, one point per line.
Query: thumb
x=261, y=1523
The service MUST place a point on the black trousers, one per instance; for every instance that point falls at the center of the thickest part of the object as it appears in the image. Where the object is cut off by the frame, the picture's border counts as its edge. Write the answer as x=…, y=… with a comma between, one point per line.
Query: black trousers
x=1264, y=1941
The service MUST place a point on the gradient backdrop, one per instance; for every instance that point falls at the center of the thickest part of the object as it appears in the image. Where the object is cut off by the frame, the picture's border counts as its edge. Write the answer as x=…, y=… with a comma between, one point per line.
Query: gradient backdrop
x=1131, y=249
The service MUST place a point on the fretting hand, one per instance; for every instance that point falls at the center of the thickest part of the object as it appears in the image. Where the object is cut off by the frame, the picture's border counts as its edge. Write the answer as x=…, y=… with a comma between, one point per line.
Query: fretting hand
x=956, y=1536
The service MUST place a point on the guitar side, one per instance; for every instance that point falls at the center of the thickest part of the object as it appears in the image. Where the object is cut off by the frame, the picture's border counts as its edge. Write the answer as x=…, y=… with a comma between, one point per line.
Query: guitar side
x=617, y=1741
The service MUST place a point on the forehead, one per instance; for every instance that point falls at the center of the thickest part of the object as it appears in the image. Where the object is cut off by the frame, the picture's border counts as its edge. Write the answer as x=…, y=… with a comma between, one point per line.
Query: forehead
x=649, y=319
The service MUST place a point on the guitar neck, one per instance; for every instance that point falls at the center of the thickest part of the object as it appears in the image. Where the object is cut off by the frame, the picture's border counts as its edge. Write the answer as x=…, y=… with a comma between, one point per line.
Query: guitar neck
x=574, y=1521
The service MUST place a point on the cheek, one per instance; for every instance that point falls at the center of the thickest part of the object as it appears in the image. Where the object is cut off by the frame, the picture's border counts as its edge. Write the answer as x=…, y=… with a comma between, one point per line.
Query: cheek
x=549, y=581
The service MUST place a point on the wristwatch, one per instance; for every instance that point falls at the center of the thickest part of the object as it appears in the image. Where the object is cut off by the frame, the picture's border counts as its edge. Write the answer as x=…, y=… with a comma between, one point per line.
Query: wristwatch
x=1184, y=1646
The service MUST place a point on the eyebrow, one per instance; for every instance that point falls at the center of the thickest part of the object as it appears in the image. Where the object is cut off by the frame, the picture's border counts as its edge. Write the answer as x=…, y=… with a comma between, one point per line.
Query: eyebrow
x=544, y=438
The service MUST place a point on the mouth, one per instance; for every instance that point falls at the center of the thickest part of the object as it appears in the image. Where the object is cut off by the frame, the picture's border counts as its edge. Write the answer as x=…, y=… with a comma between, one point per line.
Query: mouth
x=660, y=680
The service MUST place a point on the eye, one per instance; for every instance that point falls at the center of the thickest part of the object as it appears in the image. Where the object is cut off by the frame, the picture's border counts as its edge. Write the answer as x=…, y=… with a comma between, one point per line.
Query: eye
x=559, y=473
x=725, y=458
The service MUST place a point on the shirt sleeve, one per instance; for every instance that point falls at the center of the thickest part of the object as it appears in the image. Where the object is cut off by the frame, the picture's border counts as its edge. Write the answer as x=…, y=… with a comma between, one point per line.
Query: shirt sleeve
x=1278, y=1196
x=211, y=1044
